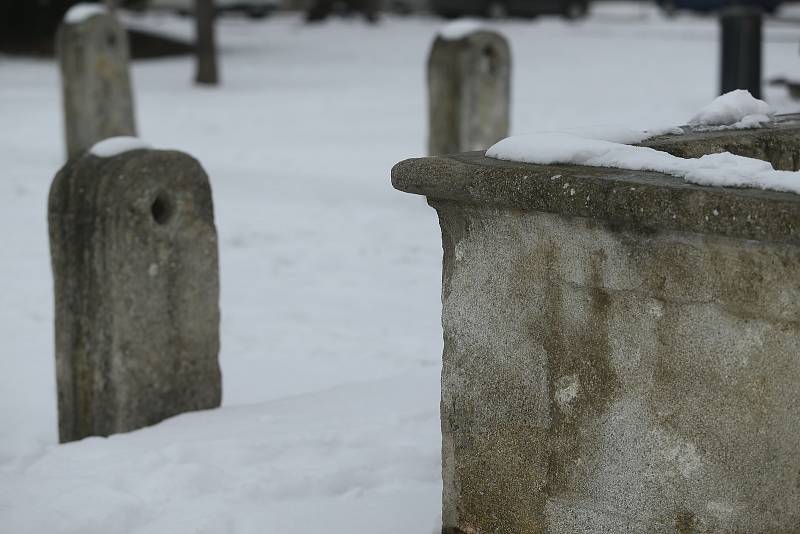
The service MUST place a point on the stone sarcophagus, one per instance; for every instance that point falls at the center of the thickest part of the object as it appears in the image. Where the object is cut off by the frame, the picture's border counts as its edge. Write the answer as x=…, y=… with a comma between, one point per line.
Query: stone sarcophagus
x=622, y=349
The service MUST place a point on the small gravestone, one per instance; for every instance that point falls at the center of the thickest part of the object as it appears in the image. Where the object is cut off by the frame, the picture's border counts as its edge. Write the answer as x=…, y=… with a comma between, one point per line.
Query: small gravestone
x=135, y=263
x=469, y=88
x=92, y=50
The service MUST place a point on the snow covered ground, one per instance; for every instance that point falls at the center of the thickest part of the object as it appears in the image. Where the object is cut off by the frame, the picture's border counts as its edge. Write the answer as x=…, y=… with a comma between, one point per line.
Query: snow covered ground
x=330, y=280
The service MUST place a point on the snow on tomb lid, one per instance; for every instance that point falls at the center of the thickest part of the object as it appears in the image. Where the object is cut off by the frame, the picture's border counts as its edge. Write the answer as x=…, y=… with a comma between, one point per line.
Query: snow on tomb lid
x=592, y=173
x=722, y=169
x=635, y=199
x=734, y=110
x=81, y=12
x=114, y=146
x=459, y=29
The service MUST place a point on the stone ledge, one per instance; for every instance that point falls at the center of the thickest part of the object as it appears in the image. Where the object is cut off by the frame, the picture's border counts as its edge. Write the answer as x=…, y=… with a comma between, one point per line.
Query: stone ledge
x=649, y=201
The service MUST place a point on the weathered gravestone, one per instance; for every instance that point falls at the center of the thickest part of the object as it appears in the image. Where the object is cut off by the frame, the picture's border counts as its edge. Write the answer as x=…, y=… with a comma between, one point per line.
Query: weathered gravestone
x=469, y=90
x=92, y=49
x=622, y=348
x=134, y=257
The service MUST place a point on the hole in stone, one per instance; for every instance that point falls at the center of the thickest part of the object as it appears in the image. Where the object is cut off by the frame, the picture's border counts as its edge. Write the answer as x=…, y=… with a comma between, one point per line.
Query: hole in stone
x=161, y=209
x=489, y=59
x=111, y=39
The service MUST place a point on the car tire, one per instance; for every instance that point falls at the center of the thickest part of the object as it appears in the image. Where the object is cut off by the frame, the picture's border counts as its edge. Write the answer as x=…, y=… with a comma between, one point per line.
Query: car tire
x=575, y=10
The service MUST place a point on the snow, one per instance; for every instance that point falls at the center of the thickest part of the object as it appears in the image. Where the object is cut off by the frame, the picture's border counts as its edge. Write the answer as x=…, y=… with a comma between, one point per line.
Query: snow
x=307, y=463
x=736, y=109
x=723, y=169
x=461, y=28
x=114, y=146
x=609, y=146
x=81, y=12
x=330, y=279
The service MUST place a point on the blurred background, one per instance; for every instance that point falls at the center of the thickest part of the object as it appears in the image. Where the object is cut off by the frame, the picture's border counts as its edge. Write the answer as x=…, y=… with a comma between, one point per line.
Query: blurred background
x=28, y=25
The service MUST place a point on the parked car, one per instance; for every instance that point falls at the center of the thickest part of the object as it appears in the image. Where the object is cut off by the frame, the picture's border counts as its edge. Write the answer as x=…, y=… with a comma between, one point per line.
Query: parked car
x=252, y=8
x=571, y=9
x=709, y=6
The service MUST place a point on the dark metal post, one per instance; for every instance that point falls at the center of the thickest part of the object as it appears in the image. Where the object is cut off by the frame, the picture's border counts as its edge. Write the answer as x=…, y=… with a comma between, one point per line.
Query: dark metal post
x=206, y=47
x=741, y=49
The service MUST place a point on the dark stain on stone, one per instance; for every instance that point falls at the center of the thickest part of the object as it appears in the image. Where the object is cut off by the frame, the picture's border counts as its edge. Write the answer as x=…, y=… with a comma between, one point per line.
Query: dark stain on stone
x=620, y=226
x=685, y=523
x=579, y=349
x=663, y=372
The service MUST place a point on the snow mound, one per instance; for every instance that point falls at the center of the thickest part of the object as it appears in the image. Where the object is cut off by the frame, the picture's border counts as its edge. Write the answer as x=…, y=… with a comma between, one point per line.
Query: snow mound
x=358, y=456
x=459, y=29
x=611, y=147
x=725, y=169
x=80, y=12
x=114, y=146
x=734, y=110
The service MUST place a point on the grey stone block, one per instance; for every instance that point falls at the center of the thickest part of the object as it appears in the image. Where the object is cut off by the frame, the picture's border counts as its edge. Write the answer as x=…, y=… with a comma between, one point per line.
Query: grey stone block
x=135, y=264
x=622, y=349
x=97, y=97
x=469, y=92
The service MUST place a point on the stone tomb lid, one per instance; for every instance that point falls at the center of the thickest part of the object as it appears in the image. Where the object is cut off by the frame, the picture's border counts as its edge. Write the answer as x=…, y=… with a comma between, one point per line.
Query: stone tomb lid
x=648, y=201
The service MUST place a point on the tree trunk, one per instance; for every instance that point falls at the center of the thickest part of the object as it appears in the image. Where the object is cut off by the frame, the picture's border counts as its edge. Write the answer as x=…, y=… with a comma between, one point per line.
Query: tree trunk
x=206, y=47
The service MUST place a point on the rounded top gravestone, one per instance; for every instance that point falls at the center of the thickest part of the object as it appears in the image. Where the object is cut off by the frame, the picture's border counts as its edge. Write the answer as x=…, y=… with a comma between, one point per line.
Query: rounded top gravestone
x=469, y=89
x=135, y=262
x=92, y=49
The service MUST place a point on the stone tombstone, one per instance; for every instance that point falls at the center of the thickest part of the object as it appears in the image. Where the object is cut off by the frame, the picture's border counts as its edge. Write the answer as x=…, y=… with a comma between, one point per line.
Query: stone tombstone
x=469, y=91
x=135, y=263
x=622, y=348
x=92, y=49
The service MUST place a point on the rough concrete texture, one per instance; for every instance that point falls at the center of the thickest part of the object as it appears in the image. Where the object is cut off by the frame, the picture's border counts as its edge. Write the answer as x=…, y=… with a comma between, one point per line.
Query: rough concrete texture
x=135, y=263
x=600, y=379
x=622, y=351
x=469, y=92
x=96, y=87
